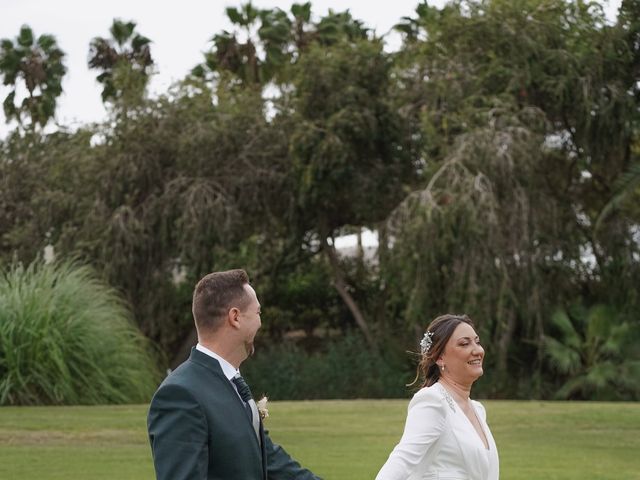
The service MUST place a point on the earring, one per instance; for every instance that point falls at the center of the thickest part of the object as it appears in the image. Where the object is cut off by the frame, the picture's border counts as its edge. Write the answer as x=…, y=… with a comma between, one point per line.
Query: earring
x=442, y=367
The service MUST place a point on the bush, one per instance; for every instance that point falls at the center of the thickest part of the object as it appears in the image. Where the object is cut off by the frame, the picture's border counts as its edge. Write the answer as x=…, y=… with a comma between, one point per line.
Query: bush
x=345, y=368
x=67, y=338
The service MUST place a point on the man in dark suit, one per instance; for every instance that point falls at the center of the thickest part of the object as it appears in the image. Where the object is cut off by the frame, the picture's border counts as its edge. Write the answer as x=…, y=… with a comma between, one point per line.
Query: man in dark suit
x=203, y=422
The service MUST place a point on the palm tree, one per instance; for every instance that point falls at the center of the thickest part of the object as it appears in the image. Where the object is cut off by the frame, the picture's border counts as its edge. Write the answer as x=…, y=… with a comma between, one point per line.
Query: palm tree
x=593, y=352
x=36, y=65
x=233, y=55
x=124, y=60
x=273, y=39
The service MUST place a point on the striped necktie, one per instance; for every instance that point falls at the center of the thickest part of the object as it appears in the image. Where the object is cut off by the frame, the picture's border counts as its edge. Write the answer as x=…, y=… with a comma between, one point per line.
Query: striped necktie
x=249, y=403
x=245, y=393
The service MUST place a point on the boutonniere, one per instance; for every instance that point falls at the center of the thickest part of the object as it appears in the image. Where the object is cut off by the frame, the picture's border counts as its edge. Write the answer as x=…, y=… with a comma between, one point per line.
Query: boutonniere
x=262, y=407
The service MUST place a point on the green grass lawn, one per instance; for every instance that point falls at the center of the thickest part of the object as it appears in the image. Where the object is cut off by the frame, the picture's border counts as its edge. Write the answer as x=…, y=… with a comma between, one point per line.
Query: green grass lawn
x=339, y=440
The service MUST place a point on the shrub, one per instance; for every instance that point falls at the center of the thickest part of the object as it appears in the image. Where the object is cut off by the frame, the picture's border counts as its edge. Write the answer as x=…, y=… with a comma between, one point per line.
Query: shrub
x=67, y=338
x=345, y=368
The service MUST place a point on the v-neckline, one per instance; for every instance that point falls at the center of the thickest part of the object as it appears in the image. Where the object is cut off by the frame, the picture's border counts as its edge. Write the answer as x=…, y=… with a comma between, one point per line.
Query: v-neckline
x=452, y=402
x=487, y=447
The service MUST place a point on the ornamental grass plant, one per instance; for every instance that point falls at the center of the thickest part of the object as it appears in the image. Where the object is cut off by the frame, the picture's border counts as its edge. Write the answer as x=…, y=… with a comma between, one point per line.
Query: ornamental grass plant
x=68, y=338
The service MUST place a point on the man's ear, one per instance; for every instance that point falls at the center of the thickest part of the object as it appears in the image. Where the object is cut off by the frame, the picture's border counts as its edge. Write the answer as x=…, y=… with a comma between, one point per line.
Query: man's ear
x=233, y=317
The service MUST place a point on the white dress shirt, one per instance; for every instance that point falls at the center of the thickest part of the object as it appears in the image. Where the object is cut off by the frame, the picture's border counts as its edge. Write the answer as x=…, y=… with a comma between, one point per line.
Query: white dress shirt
x=440, y=443
x=229, y=370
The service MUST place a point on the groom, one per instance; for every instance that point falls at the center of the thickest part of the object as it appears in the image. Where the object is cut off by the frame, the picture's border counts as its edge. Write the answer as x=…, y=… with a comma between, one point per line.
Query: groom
x=203, y=422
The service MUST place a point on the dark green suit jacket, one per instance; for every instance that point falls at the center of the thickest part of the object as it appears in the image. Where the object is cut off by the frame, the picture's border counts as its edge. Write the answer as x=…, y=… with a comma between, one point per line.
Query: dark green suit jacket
x=199, y=429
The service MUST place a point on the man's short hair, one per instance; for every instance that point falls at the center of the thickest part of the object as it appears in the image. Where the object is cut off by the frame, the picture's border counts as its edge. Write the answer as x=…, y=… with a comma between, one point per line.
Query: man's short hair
x=215, y=294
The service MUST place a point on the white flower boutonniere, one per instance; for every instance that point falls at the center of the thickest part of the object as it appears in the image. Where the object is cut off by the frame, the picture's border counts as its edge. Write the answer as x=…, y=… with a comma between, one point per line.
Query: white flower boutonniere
x=262, y=407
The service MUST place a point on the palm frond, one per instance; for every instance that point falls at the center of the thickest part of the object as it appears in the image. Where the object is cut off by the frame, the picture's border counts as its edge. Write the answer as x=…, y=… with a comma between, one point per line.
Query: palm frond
x=571, y=388
x=561, y=320
x=625, y=186
x=25, y=38
x=563, y=358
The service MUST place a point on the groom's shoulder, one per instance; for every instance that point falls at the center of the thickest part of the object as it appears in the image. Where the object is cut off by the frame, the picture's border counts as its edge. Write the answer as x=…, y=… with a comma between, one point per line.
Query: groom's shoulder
x=184, y=372
x=176, y=378
x=193, y=372
x=181, y=383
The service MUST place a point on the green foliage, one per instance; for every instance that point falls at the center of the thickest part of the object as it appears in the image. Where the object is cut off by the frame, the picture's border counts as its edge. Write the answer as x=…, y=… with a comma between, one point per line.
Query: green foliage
x=37, y=65
x=45, y=195
x=596, y=353
x=125, y=62
x=626, y=188
x=346, y=144
x=67, y=338
x=146, y=202
x=523, y=133
x=344, y=368
x=495, y=154
x=270, y=41
x=483, y=227
x=301, y=300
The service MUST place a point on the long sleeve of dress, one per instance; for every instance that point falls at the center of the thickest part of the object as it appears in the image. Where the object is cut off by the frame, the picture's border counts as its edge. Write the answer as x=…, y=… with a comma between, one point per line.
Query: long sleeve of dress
x=425, y=423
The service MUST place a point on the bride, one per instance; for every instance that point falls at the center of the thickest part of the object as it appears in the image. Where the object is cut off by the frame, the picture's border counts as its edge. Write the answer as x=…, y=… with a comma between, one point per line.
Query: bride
x=446, y=435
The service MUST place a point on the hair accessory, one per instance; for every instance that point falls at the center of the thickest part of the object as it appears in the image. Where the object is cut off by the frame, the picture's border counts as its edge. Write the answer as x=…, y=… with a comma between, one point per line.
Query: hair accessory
x=426, y=342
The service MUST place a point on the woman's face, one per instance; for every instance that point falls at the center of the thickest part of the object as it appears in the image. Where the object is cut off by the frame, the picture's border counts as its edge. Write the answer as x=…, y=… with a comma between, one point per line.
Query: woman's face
x=463, y=355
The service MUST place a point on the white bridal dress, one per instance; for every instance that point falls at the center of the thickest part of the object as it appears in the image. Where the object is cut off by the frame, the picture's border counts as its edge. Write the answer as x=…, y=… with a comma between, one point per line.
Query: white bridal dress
x=440, y=443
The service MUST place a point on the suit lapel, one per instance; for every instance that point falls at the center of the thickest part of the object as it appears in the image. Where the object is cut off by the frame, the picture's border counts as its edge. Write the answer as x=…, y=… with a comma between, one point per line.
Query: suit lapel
x=213, y=366
x=263, y=450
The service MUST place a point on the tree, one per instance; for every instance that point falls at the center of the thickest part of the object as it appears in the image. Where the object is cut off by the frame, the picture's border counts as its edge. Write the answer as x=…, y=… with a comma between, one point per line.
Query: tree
x=125, y=62
x=228, y=53
x=47, y=184
x=347, y=148
x=177, y=189
x=495, y=154
x=479, y=237
x=522, y=132
x=267, y=42
x=36, y=64
x=626, y=186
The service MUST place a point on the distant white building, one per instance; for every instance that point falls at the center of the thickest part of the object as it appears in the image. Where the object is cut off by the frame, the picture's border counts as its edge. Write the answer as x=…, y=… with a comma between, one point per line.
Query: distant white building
x=347, y=245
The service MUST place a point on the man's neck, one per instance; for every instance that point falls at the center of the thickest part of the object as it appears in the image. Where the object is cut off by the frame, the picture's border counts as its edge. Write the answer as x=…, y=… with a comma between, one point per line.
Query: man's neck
x=218, y=347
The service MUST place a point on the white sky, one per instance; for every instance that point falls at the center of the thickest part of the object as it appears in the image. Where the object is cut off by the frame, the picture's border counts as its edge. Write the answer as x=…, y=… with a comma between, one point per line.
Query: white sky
x=180, y=32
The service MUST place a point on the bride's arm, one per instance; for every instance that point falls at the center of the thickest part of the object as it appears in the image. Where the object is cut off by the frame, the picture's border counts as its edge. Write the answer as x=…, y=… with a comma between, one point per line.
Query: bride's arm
x=425, y=423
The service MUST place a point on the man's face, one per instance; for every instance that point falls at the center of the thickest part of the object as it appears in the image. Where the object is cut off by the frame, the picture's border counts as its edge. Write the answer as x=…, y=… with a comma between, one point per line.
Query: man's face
x=250, y=320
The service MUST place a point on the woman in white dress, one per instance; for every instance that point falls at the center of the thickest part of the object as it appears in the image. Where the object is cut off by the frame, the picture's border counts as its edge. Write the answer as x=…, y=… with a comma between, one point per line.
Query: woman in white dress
x=446, y=436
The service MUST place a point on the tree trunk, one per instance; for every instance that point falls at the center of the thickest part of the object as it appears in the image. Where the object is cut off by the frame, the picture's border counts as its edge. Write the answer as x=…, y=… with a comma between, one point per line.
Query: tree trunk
x=504, y=343
x=506, y=317
x=341, y=286
x=360, y=247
